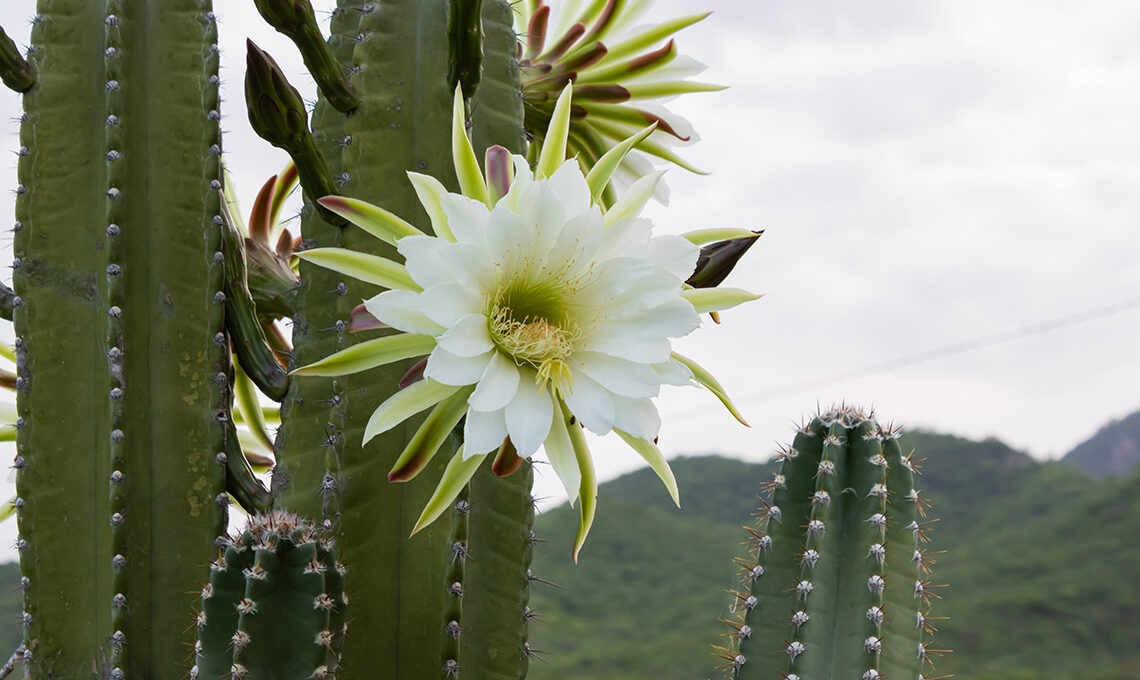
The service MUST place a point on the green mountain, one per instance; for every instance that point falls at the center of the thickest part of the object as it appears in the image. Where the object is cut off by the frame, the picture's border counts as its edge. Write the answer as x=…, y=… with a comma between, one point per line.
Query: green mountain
x=1113, y=450
x=1041, y=564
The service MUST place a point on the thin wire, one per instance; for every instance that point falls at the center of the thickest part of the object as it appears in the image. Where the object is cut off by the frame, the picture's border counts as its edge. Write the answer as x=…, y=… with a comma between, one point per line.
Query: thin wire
x=952, y=349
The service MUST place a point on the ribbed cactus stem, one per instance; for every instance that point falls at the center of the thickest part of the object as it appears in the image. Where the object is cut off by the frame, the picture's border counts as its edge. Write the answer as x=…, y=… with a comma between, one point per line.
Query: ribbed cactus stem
x=123, y=356
x=274, y=606
x=832, y=587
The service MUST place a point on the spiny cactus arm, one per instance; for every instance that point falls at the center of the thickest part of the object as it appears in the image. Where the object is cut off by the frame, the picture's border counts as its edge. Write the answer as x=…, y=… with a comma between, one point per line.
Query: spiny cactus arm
x=840, y=577
x=465, y=33
x=218, y=617
x=283, y=623
x=15, y=71
x=277, y=114
x=63, y=534
x=840, y=529
x=249, y=343
x=295, y=19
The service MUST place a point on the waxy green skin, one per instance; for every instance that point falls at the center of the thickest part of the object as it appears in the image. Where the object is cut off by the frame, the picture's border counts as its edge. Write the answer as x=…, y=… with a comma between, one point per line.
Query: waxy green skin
x=120, y=302
x=122, y=373
x=401, y=604
x=275, y=586
x=844, y=471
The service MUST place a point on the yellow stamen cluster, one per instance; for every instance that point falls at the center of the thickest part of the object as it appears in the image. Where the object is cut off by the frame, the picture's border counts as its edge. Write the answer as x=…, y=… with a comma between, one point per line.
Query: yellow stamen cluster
x=535, y=341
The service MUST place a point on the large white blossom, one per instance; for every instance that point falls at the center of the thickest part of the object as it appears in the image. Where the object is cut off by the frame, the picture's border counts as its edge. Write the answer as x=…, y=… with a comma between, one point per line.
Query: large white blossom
x=539, y=312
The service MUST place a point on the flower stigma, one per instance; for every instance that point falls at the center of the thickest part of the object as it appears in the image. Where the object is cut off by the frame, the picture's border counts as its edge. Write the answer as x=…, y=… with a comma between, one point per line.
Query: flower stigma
x=529, y=322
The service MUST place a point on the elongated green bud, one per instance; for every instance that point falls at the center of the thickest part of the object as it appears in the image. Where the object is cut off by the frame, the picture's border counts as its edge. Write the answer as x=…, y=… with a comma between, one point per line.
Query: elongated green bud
x=277, y=114
x=295, y=19
x=16, y=72
x=717, y=260
x=249, y=341
x=835, y=584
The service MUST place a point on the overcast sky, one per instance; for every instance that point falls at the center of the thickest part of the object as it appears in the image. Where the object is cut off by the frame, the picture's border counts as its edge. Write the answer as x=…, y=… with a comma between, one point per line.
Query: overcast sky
x=927, y=173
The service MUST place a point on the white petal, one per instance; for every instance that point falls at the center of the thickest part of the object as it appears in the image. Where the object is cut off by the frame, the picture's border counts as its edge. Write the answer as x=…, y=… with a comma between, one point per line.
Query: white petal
x=497, y=385
x=510, y=243
x=422, y=259
x=673, y=372
x=469, y=219
x=674, y=319
x=560, y=453
x=447, y=303
x=468, y=337
x=569, y=185
x=627, y=236
x=675, y=255
x=617, y=344
x=524, y=177
x=449, y=369
x=528, y=415
x=577, y=243
x=620, y=376
x=400, y=309
x=590, y=403
x=483, y=431
x=638, y=417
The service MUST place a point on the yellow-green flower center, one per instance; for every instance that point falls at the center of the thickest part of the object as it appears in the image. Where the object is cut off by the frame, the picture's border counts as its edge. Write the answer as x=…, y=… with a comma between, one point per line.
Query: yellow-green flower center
x=529, y=321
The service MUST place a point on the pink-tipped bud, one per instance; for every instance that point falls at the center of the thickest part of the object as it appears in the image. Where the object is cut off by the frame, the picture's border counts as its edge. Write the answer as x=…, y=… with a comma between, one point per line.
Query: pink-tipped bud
x=361, y=320
x=500, y=172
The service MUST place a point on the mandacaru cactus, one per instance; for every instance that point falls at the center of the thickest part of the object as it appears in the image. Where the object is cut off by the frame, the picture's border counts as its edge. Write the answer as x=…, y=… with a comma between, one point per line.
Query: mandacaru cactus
x=142, y=309
x=836, y=581
x=276, y=585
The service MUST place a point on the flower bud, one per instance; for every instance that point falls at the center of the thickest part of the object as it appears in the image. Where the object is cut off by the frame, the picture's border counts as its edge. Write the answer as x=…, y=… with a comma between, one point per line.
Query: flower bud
x=717, y=261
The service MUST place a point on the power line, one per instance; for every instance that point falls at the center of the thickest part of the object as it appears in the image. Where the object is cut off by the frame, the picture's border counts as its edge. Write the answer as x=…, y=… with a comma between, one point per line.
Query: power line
x=952, y=349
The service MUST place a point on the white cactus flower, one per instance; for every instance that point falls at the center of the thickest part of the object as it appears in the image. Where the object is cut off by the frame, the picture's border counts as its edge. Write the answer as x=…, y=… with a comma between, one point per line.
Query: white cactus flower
x=539, y=310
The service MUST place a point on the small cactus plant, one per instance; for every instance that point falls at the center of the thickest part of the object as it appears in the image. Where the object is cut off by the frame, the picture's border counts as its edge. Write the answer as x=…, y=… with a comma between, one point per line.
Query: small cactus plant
x=836, y=580
x=276, y=586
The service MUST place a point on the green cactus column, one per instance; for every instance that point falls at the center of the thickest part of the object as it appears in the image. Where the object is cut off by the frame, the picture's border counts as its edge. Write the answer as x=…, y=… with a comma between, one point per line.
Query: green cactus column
x=123, y=360
x=835, y=584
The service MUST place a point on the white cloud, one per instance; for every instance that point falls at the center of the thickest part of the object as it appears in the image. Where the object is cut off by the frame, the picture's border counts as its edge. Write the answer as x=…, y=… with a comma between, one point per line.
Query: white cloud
x=927, y=172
